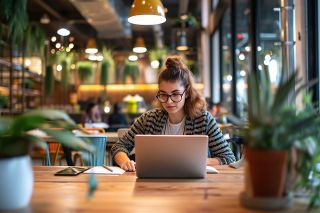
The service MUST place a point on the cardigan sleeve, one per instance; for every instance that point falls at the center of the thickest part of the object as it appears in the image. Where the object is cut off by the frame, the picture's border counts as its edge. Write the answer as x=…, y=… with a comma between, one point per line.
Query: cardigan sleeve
x=218, y=146
x=126, y=143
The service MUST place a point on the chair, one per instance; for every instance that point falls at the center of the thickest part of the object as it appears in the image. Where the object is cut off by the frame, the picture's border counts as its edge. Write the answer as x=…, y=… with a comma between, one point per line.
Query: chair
x=97, y=158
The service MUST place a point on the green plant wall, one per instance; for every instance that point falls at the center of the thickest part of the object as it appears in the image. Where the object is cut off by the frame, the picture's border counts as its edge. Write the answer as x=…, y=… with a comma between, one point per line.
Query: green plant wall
x=49, y=81
x=85, y=71
x=130, y=69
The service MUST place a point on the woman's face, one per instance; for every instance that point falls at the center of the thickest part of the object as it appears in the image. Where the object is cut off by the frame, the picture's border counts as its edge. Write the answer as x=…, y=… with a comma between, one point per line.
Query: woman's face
x=177, y=92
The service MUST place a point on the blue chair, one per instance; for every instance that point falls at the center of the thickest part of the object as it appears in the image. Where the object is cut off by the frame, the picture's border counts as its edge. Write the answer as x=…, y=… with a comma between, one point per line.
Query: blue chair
x=97, y=158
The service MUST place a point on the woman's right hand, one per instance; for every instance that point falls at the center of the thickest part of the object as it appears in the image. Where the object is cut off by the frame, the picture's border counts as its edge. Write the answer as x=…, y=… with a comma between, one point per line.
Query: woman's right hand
x=129, y=166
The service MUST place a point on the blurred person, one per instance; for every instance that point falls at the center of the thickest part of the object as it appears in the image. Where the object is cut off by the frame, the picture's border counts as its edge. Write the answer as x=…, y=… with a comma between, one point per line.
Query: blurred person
x=91, y=114
x=117, y=119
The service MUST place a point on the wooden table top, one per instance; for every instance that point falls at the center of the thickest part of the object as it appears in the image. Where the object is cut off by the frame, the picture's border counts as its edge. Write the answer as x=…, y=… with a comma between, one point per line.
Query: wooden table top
x=125, y=193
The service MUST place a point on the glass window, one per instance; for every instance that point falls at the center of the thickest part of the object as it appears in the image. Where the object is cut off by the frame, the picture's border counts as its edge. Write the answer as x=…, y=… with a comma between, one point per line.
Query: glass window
x=243, y=53
x=226, y=62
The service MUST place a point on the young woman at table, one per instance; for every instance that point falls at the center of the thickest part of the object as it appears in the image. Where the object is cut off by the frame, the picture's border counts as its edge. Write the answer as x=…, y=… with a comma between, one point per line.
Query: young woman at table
x=181, y=112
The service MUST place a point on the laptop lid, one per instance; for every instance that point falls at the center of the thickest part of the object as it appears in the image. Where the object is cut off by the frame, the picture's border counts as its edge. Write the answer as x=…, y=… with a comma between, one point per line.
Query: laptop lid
x=171, y=156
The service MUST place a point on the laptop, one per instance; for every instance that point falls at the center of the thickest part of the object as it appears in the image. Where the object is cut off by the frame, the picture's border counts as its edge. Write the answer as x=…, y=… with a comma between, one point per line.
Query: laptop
x=171, y=156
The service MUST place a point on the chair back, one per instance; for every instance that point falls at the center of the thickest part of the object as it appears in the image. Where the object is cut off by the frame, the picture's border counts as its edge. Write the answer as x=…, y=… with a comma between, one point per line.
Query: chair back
x=97, y=158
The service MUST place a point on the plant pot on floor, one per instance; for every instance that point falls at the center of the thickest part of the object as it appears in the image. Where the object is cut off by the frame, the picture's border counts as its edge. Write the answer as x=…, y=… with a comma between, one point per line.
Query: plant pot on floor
x=265, y=179
x=16, y=182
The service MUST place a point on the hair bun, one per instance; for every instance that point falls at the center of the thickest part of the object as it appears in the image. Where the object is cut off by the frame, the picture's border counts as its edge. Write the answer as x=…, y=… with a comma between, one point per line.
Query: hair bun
x=174, y=62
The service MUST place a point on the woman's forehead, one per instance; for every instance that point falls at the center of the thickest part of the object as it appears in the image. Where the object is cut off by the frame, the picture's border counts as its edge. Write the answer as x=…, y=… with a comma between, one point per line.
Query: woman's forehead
x=171, y=85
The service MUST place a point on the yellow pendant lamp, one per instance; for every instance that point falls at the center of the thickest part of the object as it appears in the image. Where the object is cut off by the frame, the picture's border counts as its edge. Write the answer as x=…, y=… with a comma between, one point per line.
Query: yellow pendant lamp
x=139, y=46
x=147, y=12
x=91, y=46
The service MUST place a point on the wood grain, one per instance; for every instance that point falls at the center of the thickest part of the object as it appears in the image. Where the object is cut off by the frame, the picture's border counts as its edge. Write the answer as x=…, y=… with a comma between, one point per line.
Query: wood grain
x=125, y=193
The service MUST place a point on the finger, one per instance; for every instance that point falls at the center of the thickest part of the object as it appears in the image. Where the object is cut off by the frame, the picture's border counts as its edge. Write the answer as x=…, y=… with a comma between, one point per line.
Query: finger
x=130, y=166
x=133, y=165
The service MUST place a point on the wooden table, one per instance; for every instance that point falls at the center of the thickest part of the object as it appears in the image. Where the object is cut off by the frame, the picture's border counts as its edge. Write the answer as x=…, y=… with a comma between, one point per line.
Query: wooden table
x=126, y=193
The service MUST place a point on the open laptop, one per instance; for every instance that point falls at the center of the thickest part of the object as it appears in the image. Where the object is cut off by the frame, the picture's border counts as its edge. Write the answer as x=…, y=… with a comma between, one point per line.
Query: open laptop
x=171, y=156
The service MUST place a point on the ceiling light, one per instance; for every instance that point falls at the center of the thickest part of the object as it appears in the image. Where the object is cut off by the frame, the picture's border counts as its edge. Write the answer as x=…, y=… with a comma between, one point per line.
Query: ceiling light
x=63, y=32
x=92, y=57
x=58, y=45
x=99, y=57
x=147, y=12
x=139, y=46
x=91, y=46
x=155, y=64
x=53, y=38
x=59, y=67
x=182, y=41
x=45, y=19
x=133, y=57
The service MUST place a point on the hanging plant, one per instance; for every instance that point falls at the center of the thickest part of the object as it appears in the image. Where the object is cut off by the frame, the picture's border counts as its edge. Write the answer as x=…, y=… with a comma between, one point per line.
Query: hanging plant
x=64, y=74
x=158, y=54
x=193, y=66
x=49, y=81
x=14, y=15
x=131, y=69
x=104, y=73
x=85, y=70
x=34, y=40
x=109, y=67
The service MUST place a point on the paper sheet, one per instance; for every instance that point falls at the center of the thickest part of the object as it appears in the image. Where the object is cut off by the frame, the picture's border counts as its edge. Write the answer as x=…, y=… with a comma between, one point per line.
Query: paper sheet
x=101, y=170
x=211, y=170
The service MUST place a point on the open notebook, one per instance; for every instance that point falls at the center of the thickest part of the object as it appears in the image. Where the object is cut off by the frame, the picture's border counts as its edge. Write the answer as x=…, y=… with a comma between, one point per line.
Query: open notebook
x=106, y=170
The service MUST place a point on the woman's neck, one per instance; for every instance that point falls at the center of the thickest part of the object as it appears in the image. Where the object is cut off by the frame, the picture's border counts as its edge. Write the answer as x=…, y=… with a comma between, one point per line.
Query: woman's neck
x=176, y=118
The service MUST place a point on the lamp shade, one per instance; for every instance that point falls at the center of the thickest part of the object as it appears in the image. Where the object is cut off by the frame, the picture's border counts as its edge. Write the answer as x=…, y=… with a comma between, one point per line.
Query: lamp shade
x=91, y=46
x=139, y=46
x=182, y=41
x=147, y=12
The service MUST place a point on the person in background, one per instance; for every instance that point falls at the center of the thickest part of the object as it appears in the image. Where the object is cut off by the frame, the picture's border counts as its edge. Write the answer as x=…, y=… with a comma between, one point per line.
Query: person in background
x=117, y=119
x=217, y=111
x=181, y=111
x=91, y=114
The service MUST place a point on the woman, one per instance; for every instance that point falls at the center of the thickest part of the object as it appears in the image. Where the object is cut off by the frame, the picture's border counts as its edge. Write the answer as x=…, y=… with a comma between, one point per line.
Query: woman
x=182, y=112
x=92, y=114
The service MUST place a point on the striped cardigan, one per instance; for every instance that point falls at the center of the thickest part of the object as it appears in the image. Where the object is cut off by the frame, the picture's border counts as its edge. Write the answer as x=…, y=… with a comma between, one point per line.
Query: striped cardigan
x=153, y=122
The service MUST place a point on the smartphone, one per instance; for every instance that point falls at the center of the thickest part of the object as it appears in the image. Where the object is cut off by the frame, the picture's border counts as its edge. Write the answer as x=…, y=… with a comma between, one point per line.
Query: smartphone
x=71, y=171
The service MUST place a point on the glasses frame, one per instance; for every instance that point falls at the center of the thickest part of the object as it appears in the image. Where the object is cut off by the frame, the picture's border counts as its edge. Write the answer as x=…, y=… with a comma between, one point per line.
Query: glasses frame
x=169, y=96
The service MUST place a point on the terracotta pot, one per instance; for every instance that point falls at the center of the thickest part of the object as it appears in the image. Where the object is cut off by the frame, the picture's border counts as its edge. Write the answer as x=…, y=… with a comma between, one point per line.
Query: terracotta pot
x=267, y=172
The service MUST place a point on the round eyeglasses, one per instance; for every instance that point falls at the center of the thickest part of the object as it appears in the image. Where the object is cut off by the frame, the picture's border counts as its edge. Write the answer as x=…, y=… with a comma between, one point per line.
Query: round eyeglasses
x=175, y=97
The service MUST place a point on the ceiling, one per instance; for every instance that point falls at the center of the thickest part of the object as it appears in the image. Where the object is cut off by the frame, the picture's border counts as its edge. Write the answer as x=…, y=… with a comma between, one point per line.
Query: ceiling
x=106, y=20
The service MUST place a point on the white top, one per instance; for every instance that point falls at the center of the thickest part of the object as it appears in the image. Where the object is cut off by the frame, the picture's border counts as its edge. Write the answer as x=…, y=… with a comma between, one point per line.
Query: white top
x=175, y=129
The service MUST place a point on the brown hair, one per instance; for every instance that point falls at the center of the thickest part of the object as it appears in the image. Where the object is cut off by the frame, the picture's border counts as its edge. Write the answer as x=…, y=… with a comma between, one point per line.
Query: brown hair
x=175, y=70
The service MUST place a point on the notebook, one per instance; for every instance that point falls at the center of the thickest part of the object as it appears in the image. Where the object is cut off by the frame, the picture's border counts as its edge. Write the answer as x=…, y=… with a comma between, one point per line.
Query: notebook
x=171, y=156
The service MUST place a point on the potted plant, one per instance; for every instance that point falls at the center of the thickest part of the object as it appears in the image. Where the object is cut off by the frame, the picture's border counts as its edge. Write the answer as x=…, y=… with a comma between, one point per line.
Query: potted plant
x=275, y=133
x=16, y=177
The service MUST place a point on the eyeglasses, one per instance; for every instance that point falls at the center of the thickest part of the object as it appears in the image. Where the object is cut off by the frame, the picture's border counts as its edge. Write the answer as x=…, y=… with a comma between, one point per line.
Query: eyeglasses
x=175, y=97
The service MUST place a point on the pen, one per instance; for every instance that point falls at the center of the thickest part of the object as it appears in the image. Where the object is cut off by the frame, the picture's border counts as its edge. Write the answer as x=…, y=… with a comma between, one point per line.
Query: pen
x=107, y=168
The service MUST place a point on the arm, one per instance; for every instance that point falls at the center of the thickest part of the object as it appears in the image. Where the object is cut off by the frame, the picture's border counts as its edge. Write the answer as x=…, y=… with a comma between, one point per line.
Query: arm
x=121, y=149
x=218, y=146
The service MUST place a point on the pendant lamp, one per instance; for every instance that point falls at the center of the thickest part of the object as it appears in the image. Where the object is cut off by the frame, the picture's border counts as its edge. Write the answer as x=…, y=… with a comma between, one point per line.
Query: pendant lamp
x=139, y=46
x=91, y=46
x=182, y=41
x=147, y=12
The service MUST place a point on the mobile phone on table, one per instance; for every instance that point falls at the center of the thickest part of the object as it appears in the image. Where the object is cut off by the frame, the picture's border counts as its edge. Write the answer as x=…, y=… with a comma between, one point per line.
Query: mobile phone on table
x=71, y=171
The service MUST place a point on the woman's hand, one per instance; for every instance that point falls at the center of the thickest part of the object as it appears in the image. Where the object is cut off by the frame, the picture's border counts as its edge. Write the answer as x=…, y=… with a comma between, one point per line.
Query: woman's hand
x=129, y=166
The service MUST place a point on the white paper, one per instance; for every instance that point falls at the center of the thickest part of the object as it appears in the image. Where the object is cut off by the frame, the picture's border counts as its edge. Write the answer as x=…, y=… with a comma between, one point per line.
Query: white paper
x=211, y=170
x=101, y=170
